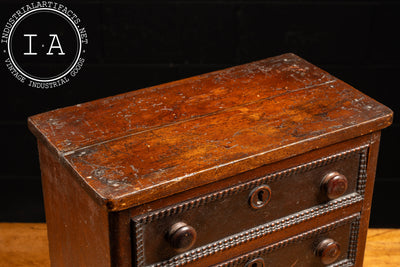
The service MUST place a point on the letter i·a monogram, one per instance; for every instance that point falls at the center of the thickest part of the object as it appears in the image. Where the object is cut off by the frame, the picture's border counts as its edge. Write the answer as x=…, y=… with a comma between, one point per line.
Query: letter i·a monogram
x=55, y=44
x=45, y=46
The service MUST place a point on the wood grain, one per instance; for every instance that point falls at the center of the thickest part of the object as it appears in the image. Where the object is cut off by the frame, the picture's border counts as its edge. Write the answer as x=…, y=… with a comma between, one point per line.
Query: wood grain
x=383, y=248
x=84, y=124
x=25, y=244
x=152, y=143
x=109, y=158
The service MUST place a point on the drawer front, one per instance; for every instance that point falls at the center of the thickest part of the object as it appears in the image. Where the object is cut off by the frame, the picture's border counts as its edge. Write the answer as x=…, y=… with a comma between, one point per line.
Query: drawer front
x=334, y=245
x=199, y=227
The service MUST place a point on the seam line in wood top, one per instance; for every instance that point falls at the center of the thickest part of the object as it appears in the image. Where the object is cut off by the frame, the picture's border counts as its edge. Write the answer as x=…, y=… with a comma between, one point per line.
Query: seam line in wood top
x=198, y=117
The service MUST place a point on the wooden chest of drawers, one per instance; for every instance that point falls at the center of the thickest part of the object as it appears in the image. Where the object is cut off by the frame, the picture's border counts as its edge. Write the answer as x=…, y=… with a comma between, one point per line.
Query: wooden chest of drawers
x=271, y=163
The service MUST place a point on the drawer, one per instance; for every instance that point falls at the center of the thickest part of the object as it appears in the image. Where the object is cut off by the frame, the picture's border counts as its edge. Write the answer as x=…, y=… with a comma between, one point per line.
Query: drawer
x=334, y=244
x=200, y=227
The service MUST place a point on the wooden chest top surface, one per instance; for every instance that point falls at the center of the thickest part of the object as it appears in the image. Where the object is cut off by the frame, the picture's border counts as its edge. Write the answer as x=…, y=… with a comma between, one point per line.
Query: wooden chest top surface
x=147, y=144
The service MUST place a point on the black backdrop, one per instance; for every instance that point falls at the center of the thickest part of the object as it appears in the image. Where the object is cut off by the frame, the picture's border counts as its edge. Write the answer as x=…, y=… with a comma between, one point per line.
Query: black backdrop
x=135, y=44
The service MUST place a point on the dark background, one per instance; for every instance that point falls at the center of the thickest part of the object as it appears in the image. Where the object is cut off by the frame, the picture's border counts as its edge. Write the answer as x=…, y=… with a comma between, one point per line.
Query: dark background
x=136, y=44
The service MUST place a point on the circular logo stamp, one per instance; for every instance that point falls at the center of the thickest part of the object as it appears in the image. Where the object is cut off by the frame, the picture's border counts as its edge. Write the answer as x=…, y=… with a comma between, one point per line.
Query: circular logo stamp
x=44, y=42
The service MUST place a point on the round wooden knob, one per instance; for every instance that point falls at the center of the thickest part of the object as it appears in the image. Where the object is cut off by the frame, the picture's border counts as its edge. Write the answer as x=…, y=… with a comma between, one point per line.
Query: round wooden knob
x=182, y=236
x=334, y=185
x=328, y=250
x=255, y=263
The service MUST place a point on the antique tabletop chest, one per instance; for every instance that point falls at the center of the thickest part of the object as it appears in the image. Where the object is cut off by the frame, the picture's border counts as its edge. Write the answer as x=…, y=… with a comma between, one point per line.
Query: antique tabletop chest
x=271, y=163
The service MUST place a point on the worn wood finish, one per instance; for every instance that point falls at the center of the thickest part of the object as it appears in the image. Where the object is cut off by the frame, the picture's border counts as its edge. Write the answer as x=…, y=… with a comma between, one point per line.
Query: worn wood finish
x=284, y=100
x=85, y=124
x=78, y=227
x=369, y=186
x=268, y=230
x=202, y=171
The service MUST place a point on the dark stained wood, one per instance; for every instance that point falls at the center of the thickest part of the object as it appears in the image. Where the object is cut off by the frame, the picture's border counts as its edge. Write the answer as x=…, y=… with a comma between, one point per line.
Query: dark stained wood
x=334, y=185
x=249, y=176
x=298, y=249
x=273, y=156
x=369, y=187
x=77, y=226
x=120, y=238
x=227, y=212
x=181, y=236
x=136, y=167
x=328, y=250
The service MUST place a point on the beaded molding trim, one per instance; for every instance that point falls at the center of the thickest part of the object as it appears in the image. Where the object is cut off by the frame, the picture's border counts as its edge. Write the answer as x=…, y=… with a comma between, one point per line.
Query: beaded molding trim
x=184, y=206
x=307, y=235
x=352, y=252
x=362, y=171
x=260, y=231
x=276, y=225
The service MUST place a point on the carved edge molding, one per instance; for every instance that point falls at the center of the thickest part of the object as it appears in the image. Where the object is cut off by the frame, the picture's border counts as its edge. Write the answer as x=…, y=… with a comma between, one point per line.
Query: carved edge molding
x=306, y=235
x=260, y=231
x=362, y=171
x=253, y=233
x=138, y=229
x=194, y=203
x=352, y=252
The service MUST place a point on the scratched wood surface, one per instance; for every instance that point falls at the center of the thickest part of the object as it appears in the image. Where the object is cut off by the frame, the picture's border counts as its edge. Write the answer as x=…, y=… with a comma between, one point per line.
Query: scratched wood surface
x=148, y=144
x=25, y=244
x=84, y=124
